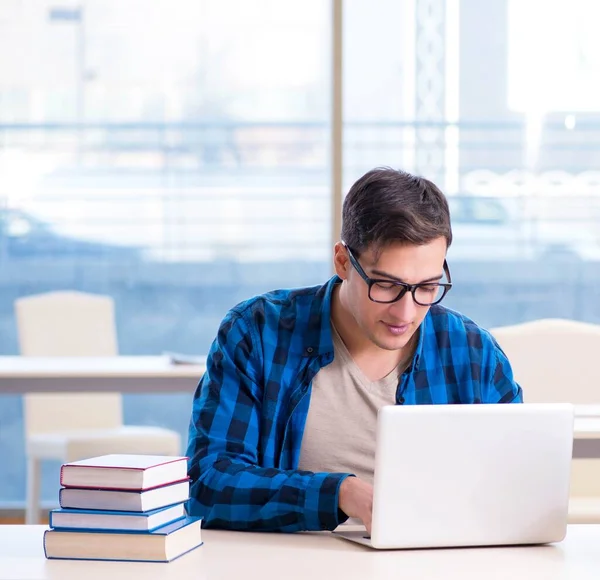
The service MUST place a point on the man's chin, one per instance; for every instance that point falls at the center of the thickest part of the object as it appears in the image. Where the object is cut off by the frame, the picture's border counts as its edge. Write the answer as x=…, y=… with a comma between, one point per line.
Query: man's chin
x=393, y=342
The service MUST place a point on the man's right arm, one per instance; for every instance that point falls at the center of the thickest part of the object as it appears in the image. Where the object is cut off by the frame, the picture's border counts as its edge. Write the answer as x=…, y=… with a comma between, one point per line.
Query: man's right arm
x=228, y=488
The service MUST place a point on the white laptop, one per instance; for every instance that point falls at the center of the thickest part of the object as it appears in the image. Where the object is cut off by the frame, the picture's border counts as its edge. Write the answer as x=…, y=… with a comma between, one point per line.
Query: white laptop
x=470, y=475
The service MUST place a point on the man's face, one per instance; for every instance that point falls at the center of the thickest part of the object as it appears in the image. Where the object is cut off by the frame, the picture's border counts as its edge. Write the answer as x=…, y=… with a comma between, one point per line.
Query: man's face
x=390, y=326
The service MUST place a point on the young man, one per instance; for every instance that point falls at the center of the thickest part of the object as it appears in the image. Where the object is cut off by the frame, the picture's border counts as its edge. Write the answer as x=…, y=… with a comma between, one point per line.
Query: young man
x=282, y=434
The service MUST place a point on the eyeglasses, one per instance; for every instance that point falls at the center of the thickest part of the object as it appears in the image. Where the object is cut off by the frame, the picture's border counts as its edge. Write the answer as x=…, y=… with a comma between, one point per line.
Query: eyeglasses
x=388, y=291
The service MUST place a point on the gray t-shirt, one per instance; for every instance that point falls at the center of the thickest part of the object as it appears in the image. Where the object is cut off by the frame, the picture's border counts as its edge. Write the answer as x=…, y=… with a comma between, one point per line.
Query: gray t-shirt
x=342, y=417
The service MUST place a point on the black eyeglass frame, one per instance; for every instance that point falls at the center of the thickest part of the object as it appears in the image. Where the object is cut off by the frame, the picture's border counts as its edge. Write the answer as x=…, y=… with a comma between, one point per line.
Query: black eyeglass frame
x=404, y=287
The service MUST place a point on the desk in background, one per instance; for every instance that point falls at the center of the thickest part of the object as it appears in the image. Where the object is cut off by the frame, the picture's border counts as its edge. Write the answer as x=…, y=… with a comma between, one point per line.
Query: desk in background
x=150, y=374
x=125, y=374
x=230, y=555
x=157, y=374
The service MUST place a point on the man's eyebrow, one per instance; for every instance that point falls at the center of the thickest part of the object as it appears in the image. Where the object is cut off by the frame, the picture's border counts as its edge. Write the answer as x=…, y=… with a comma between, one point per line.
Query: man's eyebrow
x=386, y=275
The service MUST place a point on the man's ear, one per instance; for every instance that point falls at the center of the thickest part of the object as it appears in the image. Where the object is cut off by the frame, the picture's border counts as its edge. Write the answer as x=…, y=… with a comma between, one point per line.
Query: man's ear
x=341, y=262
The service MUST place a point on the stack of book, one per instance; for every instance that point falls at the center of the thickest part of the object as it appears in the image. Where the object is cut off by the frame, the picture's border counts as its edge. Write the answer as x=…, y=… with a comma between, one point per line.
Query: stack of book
x=123, y=507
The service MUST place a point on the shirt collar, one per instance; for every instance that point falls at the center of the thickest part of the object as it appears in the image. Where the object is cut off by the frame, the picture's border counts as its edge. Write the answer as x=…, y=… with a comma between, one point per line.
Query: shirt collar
x=420, y=345
x=318, y=339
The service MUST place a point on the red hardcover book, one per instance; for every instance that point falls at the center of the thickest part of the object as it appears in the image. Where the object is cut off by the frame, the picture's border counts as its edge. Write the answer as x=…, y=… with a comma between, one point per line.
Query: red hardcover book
x=125, y=472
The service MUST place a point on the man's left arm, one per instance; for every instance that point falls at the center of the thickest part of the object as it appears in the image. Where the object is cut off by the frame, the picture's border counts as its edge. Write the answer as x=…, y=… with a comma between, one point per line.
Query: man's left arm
x=501, y=386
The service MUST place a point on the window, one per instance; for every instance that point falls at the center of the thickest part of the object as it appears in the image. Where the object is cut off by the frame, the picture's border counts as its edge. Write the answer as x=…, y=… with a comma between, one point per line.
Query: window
x=180, y=162
x=177, y=162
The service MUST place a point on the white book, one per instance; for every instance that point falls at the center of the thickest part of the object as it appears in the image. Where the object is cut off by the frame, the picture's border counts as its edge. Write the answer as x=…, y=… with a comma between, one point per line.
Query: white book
x=179, y=358
x=127, y=501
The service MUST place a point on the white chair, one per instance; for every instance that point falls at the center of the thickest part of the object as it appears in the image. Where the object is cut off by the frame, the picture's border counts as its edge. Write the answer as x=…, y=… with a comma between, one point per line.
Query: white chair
x=72, y=426
x=558, y=361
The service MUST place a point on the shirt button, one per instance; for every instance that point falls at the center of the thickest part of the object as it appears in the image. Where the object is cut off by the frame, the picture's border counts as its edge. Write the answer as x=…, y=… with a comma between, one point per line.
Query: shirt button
x=310, y=350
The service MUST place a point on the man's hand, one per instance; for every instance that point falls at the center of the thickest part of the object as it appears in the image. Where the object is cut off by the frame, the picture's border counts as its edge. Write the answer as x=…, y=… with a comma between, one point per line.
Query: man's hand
x=356, y=500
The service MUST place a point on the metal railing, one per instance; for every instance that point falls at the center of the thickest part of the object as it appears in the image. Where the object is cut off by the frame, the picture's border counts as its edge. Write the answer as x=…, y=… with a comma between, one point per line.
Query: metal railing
x=260, y=191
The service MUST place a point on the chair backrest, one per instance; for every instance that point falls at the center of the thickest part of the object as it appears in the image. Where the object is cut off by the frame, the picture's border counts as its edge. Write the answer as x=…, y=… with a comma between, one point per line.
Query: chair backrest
x=554, y=360
x=68, y=324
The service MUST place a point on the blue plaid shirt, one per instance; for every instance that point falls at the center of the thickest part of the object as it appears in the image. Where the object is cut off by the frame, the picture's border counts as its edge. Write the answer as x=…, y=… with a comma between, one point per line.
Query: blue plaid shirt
x=250, y=406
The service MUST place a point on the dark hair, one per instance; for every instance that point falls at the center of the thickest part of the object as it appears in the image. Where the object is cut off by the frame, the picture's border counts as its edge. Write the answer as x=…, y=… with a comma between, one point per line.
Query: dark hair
x=387, y=206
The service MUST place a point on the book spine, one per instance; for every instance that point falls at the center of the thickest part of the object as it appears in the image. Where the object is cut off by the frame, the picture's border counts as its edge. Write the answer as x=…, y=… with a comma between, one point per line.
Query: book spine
x=44, y=543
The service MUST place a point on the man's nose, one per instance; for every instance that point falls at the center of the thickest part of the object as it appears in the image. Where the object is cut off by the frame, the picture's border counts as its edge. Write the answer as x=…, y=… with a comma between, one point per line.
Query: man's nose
x=404, y=309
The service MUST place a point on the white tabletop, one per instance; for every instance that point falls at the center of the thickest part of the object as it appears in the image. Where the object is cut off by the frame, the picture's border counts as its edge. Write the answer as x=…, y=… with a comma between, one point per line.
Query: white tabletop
x=19, y=374
x=234, y=555
x=116, y=366
x=587, y=427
